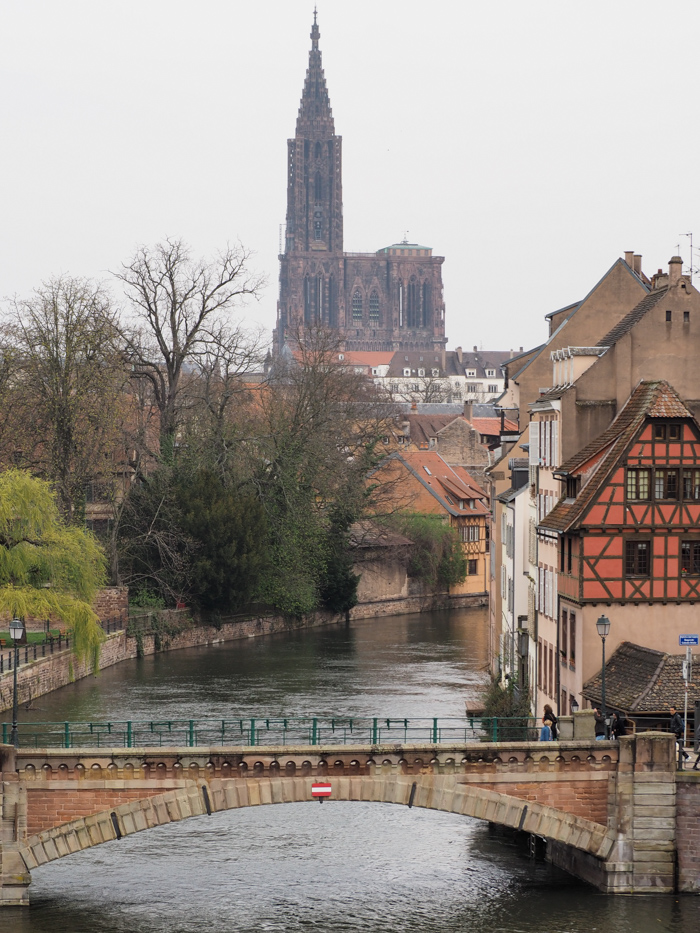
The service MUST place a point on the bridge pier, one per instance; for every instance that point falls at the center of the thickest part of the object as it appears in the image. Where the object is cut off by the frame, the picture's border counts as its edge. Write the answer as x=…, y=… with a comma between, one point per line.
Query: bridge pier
x=14, y=877
x=642, y=814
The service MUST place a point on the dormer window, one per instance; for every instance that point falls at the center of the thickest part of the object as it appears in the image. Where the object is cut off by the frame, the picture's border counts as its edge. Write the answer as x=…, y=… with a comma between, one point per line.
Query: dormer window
x=407, y=372
x=573, y=486
x=491, y=372
x=421, y=372
x=435, y=372
x=470, y=372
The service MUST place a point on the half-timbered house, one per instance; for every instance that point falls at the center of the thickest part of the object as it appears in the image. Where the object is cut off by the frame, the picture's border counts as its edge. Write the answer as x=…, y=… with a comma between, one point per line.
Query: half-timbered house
x=628, y=531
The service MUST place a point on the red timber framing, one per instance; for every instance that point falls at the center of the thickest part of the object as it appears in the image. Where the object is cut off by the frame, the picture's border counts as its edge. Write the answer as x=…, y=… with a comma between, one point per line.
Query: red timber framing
x=638, y=523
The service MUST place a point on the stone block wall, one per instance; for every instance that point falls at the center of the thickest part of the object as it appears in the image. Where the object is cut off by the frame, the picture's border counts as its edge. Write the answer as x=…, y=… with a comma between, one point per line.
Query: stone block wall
x=688, y=831
x=111, y=601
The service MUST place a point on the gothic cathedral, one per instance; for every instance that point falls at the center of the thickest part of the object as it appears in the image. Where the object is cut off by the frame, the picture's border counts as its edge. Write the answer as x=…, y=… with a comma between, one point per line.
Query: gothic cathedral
x=387, y=300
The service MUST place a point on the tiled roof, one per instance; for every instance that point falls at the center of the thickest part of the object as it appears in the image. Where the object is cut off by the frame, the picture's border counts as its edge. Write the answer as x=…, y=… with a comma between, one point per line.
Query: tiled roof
x=648, y=397
x=493, y=425
x=369, y=358
x=641, y=680
x=442, y=479
x=366, y=534
x=423, y=427
x=631, y=318
x=480, y=361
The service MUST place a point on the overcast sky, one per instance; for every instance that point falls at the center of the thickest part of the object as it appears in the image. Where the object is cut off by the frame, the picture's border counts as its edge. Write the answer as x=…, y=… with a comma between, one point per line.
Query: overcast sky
x=530, y=144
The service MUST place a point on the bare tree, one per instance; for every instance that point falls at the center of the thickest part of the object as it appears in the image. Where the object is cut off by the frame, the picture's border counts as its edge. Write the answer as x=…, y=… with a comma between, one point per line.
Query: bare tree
x=181, y=311
x=64, y=376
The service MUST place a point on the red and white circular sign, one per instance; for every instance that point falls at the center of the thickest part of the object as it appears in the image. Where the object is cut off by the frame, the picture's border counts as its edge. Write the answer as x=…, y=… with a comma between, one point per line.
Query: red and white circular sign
x=321, y=789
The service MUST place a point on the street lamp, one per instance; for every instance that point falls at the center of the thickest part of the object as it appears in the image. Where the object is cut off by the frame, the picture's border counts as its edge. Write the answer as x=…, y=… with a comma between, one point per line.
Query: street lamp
x=574, y=705
x=603, y=626
x=16, y=632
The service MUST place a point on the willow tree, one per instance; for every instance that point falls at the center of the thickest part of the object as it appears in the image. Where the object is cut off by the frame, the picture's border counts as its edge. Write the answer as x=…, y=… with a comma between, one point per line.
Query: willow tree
x=48, y=570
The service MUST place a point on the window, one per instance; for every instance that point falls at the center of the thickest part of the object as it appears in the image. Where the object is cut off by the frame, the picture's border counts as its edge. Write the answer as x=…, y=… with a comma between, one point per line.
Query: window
x=490, y=373
x=493, y=389
x=686, y=317
x=470, y=532
x=638, y=484
x=435, y=372
x=564, y=638
x=690, y=558
x=421, y=372
x=691, y=484
x=637, y=558
x=472, y=567
x=407, y=372
x=357, y=307
x=472, y=388
x=572, y=640
x=666, y=484
x=668, y=315
x=470, y=372
x=374, y=306
x=659, y=432
x=674, y=432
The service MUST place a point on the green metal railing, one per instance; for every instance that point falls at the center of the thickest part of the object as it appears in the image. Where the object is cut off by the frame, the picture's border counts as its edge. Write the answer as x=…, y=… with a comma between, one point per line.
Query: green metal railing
x=271, y=731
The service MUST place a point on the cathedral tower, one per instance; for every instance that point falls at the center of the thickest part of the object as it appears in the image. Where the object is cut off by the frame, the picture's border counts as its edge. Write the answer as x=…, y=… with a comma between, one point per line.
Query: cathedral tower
x=387, y=300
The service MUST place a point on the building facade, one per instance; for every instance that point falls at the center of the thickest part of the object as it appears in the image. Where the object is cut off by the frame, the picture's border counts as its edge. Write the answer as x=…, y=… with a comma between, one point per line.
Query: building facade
x=389, y=299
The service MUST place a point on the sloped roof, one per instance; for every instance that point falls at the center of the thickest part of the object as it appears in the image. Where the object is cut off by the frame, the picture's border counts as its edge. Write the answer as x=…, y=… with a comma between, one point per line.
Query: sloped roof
x=441, y=480
x=641, y=680
x=649, y=399
x=493, y=425
x=631, y=318
x=423, y=427
x=366, y=358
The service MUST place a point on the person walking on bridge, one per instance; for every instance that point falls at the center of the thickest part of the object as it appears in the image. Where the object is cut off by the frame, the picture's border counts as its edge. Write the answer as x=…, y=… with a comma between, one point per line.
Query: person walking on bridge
x=677, y=727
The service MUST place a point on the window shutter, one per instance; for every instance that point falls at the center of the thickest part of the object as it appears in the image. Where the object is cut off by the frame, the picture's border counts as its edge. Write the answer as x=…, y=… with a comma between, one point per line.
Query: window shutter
x=534, y=454
x=555, y=443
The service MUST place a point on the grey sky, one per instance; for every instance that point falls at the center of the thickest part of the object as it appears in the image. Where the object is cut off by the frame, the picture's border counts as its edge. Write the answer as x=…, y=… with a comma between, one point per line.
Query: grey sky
x=529, y=143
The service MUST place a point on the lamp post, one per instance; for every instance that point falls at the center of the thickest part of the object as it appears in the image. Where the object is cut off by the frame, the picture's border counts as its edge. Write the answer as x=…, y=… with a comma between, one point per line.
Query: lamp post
x=603, y=626
x=16, y=632
x=574, y=705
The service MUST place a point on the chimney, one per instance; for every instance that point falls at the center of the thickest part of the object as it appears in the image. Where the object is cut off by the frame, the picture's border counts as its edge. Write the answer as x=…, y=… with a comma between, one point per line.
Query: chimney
x=629, y=258
x=638, y=263
x=675, y=268
x=414, y=406
x=475, y=349
x=458, y=351
x=468, y=410
x=521, y=349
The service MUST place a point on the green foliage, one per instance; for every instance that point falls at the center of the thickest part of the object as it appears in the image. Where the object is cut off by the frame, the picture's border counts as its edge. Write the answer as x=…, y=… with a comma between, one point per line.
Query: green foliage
x=187, y=534
x=437, y=559
x=141, y=597
x=227, y=527
x=509, y=703
x=338, y=587
x=47, y=570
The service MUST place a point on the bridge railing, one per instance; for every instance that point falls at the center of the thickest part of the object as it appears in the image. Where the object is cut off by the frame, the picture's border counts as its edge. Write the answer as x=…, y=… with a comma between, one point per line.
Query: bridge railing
x=341, y=730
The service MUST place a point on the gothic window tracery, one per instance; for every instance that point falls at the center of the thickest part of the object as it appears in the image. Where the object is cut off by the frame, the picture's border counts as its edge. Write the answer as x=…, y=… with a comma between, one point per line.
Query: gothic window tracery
x=357, y=306
x=374, y=306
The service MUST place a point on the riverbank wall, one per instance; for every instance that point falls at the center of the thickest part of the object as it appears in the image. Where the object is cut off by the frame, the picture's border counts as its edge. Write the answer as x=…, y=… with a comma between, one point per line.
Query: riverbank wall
x=45, y=674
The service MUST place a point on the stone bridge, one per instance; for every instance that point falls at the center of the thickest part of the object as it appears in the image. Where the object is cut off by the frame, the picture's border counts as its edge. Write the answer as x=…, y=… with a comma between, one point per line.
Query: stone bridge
x=608, y=810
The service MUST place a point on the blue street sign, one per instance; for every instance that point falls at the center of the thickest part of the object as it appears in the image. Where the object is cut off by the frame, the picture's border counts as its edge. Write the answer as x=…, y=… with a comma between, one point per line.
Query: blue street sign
x=688, y=640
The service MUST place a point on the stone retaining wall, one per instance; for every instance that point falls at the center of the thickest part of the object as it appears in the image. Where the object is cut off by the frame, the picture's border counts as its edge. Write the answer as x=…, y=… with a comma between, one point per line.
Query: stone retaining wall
x=61, y=668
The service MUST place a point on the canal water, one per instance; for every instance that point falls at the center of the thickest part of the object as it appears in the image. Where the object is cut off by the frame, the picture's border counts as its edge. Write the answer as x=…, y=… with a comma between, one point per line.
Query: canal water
x=306, y=867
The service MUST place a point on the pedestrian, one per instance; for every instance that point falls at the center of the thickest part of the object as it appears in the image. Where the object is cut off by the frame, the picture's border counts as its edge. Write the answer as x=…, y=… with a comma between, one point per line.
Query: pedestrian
x=617, y=725
x=677, y=727
x=546, y=731
x=599, y=724
x=552, y=719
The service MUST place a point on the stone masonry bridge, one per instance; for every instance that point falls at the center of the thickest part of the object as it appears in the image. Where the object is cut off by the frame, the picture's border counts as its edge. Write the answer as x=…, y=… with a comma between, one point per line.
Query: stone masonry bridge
x=615, y=814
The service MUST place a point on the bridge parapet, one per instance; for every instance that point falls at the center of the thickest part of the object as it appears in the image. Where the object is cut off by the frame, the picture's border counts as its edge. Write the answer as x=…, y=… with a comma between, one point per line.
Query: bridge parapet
x=601, y=801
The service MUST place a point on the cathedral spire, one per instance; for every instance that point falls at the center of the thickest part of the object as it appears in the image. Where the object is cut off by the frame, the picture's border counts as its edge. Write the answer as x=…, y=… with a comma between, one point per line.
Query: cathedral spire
x=315, y=116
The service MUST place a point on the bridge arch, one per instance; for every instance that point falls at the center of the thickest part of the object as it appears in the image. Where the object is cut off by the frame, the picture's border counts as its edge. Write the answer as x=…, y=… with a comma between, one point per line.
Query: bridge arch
x=429, y=791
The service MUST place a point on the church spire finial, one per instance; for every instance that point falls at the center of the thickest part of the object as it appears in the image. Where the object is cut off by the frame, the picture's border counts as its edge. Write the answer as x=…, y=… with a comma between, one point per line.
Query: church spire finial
x=315, y=32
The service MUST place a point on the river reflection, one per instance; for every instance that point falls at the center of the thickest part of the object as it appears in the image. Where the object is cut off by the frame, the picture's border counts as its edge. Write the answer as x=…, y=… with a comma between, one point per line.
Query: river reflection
x=299, y=867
